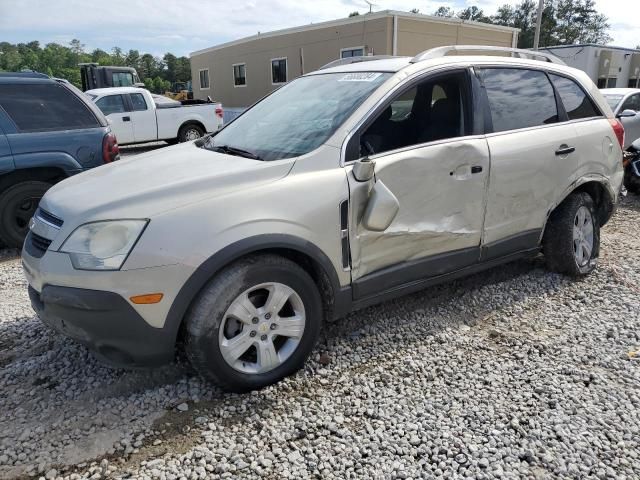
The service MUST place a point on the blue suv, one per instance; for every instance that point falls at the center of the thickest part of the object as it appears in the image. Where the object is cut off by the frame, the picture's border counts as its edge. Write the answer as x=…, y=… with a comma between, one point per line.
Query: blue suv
x=49, y=130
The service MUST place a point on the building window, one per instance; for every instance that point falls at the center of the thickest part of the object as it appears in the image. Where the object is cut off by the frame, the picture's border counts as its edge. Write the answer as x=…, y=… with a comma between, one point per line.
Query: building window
x=602, y=82
x=633, y=83
x=611, y=82
x=204, y=79
x=279, y=70
x=352, y=52
x=240, y=75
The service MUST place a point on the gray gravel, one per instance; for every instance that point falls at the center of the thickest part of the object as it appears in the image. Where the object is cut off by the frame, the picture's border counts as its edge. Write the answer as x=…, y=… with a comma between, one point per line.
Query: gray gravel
x=514, y=373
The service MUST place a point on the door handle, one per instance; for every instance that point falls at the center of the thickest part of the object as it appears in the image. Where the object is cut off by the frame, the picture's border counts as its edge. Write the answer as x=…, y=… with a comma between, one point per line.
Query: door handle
x=126, y=119
x=476, y=169
x=565, y=150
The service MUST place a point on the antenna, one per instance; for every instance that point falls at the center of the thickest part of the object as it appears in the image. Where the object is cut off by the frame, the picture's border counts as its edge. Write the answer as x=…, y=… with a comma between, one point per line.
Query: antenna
x=371, y=5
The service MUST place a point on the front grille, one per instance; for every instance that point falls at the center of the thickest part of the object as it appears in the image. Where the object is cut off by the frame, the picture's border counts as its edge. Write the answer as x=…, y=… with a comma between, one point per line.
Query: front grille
x=49, y=218
x=39, y=243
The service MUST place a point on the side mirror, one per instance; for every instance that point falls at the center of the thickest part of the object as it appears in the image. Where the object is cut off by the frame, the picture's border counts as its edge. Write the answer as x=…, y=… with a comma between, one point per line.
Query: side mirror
x=626, y=114
x=363, y=169
x=381, y=209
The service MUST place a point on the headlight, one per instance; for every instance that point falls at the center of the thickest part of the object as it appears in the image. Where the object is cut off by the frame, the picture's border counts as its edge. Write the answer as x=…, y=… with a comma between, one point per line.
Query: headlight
x=102, y=245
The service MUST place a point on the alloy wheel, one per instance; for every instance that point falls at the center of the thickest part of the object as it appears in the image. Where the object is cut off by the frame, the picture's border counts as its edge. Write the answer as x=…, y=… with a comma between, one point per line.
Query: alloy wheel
x=262, y=328
x=583, y=239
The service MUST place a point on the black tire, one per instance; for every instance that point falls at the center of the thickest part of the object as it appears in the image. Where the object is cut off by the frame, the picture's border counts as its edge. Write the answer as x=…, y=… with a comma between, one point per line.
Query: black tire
x=558, y=241
x=189, y=131
x=18, y=204
x=206, y=315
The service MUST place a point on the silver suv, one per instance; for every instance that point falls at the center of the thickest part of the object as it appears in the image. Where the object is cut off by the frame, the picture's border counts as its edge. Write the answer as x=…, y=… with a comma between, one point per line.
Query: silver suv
x=356, y=183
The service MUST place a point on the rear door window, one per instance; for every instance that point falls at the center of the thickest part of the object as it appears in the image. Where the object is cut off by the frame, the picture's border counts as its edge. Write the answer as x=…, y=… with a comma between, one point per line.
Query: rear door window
x=519, y=98
x=45, y=107
x=111, y=104
x=138, y=102
x=576, y=103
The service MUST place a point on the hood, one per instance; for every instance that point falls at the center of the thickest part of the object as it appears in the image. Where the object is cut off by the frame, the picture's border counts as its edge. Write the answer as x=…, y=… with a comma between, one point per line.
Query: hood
x=145, y=185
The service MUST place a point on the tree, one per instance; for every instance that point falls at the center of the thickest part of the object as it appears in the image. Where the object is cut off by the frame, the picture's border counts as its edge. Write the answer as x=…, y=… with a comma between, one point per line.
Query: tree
x=473, y=13
x=183, y=69
x=354, y=14
x=148, y=67
x=148, y=84
x=117, y=57
x=160, y=85
x=133, y=59
x=444, y=12
x=414, y=10
x=171, y=64
x=62, y=61
x=76, y=47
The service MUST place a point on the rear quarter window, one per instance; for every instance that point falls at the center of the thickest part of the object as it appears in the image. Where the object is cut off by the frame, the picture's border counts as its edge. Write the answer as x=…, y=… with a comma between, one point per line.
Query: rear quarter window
x=519, y=98
x=45, y=107
x=576, y=102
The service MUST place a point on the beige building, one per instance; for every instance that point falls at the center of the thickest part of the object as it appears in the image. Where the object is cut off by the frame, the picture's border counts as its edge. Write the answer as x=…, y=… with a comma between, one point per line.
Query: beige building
x=608, y=66
x=240, y=72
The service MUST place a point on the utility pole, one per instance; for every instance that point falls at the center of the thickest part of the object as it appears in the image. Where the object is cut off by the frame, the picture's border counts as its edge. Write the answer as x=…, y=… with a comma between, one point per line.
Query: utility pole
x=536, y=39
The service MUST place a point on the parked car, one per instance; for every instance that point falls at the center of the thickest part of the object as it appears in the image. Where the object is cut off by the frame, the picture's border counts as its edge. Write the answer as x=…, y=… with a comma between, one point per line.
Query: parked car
x=632, y=168
x=318, y=201
x=136, y=117
x=625, y=103
x=48, y=131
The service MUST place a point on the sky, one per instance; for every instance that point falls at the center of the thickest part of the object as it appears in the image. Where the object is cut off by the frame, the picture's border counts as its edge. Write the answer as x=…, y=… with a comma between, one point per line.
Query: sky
x=184, y=26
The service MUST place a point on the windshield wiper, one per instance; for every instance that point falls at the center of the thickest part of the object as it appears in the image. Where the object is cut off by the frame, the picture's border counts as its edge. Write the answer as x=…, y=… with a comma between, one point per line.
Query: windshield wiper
x=236, y=151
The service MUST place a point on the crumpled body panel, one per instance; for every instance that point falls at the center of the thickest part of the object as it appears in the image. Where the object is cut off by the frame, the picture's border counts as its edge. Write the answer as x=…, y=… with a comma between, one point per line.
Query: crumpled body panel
x=441, y=204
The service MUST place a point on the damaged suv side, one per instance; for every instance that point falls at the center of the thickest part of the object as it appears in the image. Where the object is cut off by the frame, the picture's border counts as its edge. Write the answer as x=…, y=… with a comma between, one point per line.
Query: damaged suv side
x=359, y=182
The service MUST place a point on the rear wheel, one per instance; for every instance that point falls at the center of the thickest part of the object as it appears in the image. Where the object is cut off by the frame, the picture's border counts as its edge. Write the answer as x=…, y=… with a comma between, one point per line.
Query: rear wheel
x=17, y=205
x=571, y=240
x=255, y=323
x=190, y=132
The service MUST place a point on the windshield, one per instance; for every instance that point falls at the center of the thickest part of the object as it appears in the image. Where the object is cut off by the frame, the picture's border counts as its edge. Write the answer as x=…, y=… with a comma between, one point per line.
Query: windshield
x=613, y=100
x=297, y=118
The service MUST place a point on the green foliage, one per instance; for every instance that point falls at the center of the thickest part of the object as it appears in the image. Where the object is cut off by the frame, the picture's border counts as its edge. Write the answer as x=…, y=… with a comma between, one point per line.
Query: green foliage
x=564, y=22
x=444, y=12
x=354, y=14
x=62, y=61
x=148, y=84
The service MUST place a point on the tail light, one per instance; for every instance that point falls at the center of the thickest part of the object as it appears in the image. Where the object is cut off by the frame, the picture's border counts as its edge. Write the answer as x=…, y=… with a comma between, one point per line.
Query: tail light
x=219, y=112
x=618, y=129
x=110, y=149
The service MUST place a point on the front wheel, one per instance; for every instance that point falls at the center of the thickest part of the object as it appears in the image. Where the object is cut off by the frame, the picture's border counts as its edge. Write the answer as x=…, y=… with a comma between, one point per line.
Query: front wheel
x=18, y=204
x=190, y=132
x=571, y=242
x=255, y=323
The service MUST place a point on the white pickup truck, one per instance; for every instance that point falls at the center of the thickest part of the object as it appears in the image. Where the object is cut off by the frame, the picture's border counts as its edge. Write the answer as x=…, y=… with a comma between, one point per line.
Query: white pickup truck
x=137, y=116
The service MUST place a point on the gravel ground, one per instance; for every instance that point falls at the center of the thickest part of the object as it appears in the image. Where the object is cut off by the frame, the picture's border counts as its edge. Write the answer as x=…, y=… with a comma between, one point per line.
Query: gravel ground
x=514, y=373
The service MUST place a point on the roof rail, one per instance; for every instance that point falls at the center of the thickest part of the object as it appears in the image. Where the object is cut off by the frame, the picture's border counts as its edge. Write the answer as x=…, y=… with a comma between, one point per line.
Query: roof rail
x=24, y=74
x=358, y=59
x=519, y=52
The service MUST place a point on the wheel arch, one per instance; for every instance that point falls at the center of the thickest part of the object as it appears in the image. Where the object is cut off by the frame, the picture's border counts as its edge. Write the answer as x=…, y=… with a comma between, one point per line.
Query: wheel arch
x=599, y=191
x=336, y=299
x=191, y=121
x=44, y=174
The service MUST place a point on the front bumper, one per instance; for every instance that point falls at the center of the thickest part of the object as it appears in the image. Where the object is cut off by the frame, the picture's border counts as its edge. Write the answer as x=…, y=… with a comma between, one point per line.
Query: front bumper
x=106, y=323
